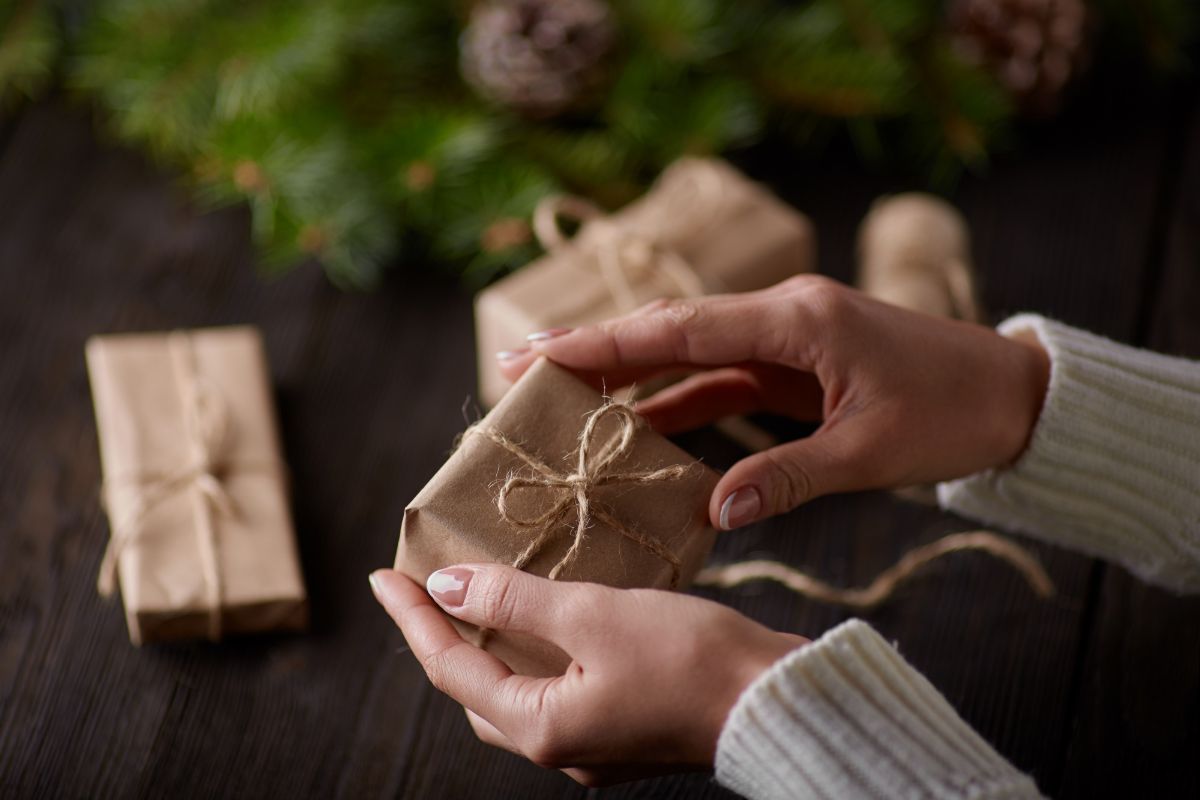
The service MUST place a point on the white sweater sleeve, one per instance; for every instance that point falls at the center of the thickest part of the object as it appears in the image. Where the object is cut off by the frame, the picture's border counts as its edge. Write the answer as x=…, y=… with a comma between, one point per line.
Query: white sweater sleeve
x=1112, y=469
x=847, y=717
x=1113, y=465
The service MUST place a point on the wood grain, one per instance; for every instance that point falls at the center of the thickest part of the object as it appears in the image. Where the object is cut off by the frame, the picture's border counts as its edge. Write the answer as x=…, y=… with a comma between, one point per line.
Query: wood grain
x=369, y=391
x=1139, y=684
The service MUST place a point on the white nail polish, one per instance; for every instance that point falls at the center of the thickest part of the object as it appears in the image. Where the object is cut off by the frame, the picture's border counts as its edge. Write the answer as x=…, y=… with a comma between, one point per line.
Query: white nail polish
x=728, y=504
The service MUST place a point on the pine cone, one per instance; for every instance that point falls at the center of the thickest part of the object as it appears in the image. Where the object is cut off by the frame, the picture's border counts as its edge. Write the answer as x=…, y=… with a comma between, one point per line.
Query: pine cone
x=538, y=57
x=1034, y=48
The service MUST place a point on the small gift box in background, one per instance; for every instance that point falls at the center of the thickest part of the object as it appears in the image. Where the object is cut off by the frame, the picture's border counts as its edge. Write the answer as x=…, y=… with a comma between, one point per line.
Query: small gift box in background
x=703, y=228
x=561, y=483
x=194, y=485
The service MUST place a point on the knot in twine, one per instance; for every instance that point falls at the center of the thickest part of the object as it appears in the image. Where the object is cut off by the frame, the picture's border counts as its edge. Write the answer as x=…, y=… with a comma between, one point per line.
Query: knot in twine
x=208, y=436
x=572, y=493
x=685, y=202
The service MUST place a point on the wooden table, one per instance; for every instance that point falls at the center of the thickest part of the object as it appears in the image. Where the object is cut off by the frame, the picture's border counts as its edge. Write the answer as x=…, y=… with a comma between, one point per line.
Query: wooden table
x=1096, y=692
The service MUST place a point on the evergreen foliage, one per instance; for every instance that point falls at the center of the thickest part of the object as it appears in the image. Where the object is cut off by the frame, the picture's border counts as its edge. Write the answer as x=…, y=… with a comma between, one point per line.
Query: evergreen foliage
x=29, y=47
x=346, y=126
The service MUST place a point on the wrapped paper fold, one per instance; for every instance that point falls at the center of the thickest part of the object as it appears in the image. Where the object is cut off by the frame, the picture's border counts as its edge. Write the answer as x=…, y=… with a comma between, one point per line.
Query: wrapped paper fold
x=194, y=485
x=561, y=483
x=702, y=228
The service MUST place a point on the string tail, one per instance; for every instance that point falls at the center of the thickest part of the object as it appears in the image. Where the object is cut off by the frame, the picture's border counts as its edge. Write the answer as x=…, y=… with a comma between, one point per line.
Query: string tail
x=884, y=586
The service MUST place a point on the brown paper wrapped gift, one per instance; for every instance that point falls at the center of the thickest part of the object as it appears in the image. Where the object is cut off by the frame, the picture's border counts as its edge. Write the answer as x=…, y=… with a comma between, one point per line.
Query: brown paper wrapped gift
x=702, y=228
x=511, y=494
x=194, y=485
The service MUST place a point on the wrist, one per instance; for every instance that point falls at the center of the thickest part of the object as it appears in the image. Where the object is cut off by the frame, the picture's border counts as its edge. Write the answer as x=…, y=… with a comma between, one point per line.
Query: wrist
x=1034, y=382
x=752, y=664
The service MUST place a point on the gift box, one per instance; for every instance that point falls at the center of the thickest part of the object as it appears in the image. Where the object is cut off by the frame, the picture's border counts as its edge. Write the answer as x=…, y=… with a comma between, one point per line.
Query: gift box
x=702, y=228
x=194, y=484
x=562, y=483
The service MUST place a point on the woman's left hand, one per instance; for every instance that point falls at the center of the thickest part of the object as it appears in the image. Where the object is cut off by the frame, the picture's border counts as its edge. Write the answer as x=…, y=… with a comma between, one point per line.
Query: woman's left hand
x=652, y=678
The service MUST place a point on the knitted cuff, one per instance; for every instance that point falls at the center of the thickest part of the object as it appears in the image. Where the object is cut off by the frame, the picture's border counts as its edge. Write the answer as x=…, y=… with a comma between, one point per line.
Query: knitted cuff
x=847, y=717
x=1113, y=466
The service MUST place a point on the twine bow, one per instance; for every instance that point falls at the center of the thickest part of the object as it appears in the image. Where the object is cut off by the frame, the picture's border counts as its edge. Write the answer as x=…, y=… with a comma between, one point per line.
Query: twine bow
x=208, y=436
x=572, y=492
x=686, y=200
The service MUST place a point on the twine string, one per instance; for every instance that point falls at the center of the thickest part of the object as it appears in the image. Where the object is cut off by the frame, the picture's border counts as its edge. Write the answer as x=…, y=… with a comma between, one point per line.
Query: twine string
x=885, y=584
x=573, y=492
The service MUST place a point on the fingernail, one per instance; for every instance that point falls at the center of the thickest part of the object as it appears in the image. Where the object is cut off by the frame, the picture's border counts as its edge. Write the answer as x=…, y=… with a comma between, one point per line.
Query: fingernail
x=509, y=355
x=375, y=587
x=549, y=333
x=449, y=586
x=740, y=508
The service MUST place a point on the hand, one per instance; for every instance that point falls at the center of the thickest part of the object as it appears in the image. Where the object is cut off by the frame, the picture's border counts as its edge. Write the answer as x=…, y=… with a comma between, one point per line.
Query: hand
x=903, y=398
x=653, y=675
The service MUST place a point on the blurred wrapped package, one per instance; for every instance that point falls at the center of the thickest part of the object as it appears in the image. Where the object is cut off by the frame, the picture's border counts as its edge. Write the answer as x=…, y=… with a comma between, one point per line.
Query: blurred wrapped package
x=194, y=484
x=703, y=228
x=561, y=483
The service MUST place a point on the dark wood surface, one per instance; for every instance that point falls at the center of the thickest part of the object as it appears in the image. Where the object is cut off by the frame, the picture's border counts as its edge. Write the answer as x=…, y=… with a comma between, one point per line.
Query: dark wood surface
x=1096, y=692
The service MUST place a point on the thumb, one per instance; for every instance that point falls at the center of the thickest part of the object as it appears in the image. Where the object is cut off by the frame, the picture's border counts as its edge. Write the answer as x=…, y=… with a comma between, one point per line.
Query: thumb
x=502, y=598
x=781, y=478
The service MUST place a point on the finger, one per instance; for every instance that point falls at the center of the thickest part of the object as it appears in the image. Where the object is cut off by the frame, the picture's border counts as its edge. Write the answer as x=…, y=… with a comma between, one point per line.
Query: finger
x=472, y=676
x=489, y=733
x=502, y=598
x=782, y=478
x=783, y=323
x=514, y=365
x=700, y=399
x=709, y=331
x=706, y=397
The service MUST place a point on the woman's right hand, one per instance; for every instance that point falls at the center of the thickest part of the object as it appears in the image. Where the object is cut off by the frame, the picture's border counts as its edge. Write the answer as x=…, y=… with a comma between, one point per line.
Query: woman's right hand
x=902, y=397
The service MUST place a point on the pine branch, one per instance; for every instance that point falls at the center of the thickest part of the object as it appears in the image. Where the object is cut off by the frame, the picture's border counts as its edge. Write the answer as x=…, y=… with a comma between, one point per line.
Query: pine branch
x=345, y=126
x=29, y=47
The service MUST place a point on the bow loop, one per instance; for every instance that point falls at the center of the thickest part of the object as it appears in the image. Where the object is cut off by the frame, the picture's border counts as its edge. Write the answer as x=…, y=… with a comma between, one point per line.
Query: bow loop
x=554, y=512
x=592, y=467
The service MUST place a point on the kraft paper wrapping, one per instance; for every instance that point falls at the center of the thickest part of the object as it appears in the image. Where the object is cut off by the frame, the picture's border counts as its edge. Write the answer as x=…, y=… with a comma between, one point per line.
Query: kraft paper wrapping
x=731, y=232
x=455, y=518
x=141, y=395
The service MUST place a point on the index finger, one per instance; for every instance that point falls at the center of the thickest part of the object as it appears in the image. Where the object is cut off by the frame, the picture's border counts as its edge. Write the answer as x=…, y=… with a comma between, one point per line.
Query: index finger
x=472, y=676
x=679, y=334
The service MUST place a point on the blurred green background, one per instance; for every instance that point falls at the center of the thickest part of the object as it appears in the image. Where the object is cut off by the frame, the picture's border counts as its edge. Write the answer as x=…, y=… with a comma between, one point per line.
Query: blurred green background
x=362, y=131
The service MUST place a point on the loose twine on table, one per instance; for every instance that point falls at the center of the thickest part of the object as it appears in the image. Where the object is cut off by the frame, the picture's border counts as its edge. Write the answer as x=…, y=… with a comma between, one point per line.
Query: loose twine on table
x=208, y=437
x=884, y=586
x=594, y=460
